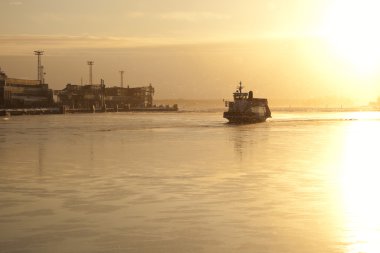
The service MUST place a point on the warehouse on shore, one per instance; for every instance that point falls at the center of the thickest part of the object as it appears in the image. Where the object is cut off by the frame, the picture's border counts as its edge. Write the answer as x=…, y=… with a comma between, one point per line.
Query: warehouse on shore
x=97, y=96
x=24, y=93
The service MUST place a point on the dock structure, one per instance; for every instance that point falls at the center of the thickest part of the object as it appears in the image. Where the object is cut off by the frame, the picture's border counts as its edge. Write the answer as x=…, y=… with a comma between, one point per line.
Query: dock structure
x=31, y=111
x=98, y=98
x=23, y=93
x=23, y=96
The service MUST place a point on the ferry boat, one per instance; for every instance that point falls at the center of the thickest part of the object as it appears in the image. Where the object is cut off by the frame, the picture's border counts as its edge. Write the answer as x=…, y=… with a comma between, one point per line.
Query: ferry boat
x=246, y=109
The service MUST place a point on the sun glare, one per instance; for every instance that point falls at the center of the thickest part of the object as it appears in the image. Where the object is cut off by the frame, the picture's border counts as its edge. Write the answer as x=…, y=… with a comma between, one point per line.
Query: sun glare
x=352, y=28
x=360, y=188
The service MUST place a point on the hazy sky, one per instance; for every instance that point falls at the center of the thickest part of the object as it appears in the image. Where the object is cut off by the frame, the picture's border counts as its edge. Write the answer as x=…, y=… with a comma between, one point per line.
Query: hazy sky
x=199, y=49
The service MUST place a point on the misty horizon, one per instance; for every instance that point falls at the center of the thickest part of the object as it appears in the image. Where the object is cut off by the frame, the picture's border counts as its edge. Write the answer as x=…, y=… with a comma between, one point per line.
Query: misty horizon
x=200, y=50
x=184, y=75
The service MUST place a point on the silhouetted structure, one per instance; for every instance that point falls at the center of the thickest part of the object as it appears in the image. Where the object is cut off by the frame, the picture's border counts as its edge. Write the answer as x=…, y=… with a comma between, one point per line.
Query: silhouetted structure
x=90, y=63
x=40, y=68
x=22, y=96
x=23, y=93
x=99, y=96
x=121, y=78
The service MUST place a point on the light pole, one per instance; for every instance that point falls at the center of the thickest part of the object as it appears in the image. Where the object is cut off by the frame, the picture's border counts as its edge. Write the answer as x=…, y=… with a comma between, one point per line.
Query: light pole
x=90, y=63
x=121, y=78
x=39, y=66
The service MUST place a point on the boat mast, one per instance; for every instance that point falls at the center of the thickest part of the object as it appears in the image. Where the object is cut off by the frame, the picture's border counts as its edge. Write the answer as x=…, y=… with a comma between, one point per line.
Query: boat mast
x=240, y=87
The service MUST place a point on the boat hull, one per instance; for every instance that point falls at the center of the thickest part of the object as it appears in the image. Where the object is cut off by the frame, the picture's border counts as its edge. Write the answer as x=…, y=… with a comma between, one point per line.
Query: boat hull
x=244, y=118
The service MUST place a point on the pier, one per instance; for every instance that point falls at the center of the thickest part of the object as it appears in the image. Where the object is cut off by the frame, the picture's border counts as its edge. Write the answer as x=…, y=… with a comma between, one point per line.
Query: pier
x=29, y=111
x=64, y=110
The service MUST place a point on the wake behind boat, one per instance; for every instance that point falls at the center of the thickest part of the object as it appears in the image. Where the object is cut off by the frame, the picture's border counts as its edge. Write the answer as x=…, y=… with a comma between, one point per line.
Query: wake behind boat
x=246, y=109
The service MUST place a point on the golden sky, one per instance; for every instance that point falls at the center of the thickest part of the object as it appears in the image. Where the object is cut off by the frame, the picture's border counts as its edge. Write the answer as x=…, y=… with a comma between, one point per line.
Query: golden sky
x=200, y=49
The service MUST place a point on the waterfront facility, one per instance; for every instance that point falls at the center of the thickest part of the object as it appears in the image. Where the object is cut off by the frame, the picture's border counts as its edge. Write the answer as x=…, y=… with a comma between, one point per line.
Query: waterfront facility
x=24, y=93
x=98, y=96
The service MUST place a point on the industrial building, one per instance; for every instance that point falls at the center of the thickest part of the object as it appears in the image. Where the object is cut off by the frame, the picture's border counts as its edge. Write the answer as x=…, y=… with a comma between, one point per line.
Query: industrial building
x=99, y=97
x=23, y=93
x=137, y=97
x=96, y=96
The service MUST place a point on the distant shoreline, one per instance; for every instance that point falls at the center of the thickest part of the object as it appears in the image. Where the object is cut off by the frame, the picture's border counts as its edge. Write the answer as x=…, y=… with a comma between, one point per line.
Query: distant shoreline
x=218, y=105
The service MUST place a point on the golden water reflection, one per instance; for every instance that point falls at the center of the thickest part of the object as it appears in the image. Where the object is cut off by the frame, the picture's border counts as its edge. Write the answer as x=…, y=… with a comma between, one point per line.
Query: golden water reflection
x=360, y=187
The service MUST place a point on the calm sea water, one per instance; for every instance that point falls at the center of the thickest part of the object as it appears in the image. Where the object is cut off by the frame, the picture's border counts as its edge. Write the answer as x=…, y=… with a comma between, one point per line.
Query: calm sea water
x=189, y=182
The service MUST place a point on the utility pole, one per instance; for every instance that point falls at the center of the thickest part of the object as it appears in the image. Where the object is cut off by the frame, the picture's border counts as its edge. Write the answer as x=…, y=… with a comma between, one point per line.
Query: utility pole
x=90, y=63
x=39, y=66
x=121, y=78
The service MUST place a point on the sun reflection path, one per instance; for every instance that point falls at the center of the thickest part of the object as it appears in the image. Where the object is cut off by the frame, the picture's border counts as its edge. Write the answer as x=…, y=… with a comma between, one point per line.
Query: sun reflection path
x=360, y=186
